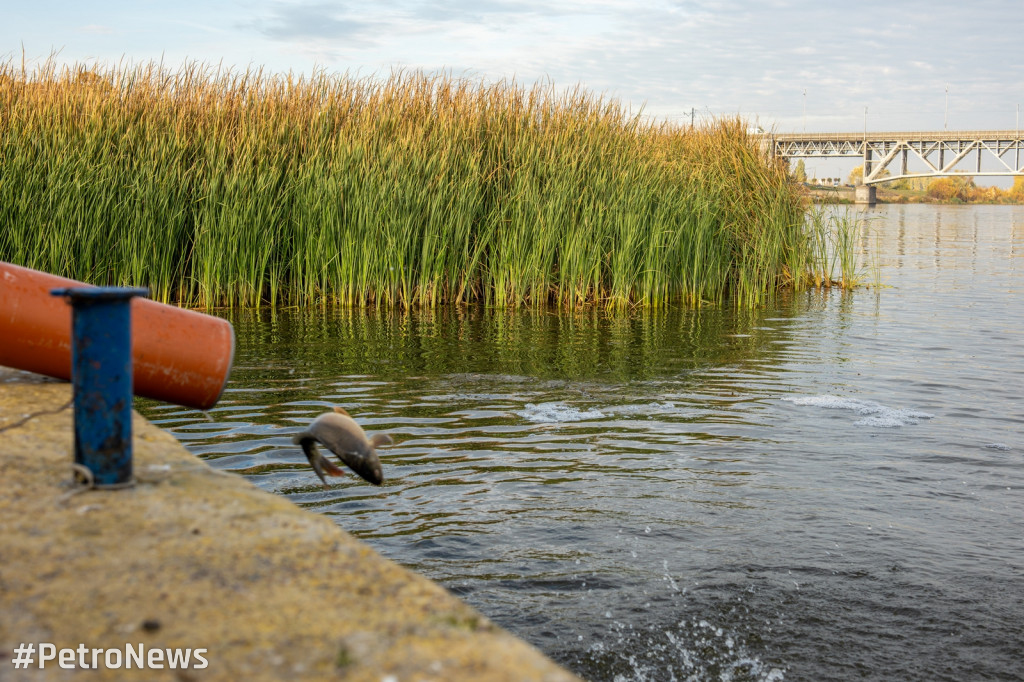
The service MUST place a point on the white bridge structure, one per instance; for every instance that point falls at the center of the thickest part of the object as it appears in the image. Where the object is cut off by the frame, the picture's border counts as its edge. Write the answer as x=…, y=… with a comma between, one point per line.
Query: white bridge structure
x=933, y=154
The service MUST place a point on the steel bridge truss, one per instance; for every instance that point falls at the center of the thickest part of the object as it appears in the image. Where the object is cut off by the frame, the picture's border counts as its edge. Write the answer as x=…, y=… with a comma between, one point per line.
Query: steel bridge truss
x=942, y=153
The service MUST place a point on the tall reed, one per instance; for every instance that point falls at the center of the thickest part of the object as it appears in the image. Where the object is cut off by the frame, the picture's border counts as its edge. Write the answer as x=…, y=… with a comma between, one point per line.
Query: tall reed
x=833, y=244
x=236, y=188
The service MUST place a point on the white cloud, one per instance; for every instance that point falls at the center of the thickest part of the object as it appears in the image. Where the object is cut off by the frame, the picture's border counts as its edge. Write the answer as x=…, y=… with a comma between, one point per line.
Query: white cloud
x=318, y=21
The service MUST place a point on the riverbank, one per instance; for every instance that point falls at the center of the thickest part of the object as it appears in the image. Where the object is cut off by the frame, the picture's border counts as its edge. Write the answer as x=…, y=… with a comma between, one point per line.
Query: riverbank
x=198, y=559
x=845, y=194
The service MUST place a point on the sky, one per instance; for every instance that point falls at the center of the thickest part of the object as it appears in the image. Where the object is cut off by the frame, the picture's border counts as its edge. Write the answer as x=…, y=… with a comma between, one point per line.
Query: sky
x=791, y=66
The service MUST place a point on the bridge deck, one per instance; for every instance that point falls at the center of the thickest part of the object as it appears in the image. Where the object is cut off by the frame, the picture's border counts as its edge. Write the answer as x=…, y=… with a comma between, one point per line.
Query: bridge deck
x=901, y=136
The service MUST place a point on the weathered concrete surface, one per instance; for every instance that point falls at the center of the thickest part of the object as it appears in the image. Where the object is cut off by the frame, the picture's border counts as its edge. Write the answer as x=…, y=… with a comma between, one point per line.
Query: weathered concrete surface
x=195, y=558
x=866, y=194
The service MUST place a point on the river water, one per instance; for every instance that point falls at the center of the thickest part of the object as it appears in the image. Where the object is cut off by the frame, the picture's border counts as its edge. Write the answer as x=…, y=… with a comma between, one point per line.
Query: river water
x=829, y=489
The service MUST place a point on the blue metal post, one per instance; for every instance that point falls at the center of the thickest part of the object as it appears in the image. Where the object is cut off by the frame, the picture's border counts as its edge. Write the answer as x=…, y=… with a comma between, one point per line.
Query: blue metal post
x=101, y=374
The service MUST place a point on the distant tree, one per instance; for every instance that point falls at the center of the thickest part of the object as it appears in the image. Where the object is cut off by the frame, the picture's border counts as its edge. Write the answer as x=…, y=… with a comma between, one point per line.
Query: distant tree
x=941, y=189
x=800, y=171
x=857, y=175
x=956, y=189
x=910, y=184
x=1016, y=193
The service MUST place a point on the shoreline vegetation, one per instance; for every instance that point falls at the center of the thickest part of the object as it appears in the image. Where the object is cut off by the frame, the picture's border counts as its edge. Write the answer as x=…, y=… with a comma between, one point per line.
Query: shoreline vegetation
x=223, y=188
x=972, y=195
x=952, y=190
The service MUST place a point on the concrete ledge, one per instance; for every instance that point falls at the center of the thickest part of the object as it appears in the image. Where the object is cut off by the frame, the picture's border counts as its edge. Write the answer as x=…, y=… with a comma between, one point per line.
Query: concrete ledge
x=193, y=558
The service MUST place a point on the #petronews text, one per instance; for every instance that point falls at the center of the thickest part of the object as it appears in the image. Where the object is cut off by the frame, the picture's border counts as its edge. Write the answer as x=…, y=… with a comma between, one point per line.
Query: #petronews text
x=93, y=659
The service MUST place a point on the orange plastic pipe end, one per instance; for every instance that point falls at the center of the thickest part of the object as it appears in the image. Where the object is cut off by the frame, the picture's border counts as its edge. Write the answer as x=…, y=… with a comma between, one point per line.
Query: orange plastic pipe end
x=179, y=356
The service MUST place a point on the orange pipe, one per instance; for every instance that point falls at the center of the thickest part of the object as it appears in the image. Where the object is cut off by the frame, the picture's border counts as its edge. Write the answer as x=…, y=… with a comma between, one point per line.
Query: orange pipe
x=179, y=356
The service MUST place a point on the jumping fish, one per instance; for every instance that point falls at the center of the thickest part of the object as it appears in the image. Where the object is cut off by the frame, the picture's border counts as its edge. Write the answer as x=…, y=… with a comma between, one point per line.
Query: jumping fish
x=340, y=434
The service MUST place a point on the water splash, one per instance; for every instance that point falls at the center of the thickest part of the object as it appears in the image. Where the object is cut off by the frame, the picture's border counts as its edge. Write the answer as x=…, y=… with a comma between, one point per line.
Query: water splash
x=557, y=412
x=874, y=414
x=689, y=650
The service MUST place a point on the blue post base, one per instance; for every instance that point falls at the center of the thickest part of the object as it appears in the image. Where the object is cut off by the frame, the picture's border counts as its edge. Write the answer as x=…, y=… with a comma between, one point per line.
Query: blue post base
x=101, y=374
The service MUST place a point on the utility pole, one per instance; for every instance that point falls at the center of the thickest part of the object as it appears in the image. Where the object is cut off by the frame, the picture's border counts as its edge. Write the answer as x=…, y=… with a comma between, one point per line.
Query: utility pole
x=945, y=120
x=805, y=110
x=865, y=165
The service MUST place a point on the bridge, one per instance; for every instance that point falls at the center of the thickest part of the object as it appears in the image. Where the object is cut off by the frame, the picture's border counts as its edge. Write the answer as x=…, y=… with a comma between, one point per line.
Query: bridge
x=984, y=152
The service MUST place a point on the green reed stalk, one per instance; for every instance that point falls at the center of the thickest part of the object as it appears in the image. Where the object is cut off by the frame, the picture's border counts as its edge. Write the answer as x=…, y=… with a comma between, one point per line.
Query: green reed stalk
x=216, y=187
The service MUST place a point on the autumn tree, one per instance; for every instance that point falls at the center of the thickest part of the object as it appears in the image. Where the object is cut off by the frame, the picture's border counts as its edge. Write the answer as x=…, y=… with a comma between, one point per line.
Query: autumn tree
x=956, y=188
x=800, y=171
x=856, y=176
x=910, y=184
x=1016, y=193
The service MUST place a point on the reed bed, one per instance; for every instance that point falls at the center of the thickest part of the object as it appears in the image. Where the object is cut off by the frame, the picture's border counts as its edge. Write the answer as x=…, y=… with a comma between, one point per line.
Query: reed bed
x=227, y=188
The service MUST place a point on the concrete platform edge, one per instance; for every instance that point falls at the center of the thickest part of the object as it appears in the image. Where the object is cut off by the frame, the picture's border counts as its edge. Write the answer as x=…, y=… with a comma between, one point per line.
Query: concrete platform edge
x=194, y=558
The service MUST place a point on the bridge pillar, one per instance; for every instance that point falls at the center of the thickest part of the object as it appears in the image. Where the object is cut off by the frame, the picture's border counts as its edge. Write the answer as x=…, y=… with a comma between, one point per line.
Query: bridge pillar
x=864, y=194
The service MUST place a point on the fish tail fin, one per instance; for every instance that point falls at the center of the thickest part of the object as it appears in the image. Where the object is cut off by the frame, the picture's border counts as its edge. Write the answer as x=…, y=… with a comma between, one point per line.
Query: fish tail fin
x=321, y=465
